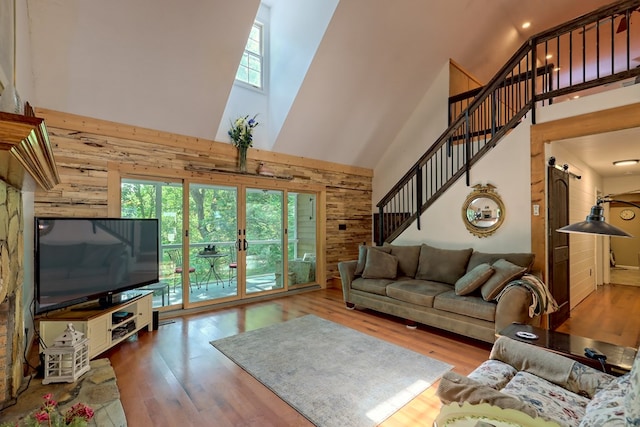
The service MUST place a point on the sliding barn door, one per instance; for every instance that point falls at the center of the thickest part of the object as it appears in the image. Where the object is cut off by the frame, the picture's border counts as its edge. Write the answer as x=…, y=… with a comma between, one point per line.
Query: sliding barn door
x=559, y=284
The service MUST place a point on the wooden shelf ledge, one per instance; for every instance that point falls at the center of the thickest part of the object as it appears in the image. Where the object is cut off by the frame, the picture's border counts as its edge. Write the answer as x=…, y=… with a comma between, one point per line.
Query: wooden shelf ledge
x=25, y=148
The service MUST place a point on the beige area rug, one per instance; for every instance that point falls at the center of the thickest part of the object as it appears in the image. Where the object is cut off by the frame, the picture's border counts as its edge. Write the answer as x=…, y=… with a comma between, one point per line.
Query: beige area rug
x=96, y=389
x=333, y=375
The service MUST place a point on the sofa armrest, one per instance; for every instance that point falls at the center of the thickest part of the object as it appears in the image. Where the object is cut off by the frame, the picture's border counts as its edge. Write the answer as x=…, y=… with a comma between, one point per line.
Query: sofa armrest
x=347, y=274
x=513, y=307
x=534, y=360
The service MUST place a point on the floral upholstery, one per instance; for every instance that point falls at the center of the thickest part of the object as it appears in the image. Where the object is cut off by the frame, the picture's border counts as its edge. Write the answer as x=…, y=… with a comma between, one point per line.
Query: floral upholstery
x=587, y=381
x=553, y=403
x=632, y=399
x=607, y=407
x=588, y=397
x=493, y=373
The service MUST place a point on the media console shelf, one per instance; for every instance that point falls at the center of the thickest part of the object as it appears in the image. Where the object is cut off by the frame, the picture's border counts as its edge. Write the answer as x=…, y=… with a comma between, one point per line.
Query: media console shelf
x=105, y=327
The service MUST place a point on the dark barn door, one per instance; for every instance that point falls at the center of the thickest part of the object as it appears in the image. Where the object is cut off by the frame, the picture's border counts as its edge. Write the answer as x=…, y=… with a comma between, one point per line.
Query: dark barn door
x=558, y=202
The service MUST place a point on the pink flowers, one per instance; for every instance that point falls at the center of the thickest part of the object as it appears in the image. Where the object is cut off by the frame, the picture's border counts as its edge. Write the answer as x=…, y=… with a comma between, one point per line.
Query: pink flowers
x=78, y=415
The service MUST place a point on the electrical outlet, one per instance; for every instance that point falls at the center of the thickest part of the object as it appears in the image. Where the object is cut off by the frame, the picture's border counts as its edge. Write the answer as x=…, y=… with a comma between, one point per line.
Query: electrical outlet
x=536, y=210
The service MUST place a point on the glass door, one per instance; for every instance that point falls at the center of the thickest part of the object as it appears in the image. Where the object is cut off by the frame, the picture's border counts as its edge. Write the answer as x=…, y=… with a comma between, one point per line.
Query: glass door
x=302, y=229
x=161, y=200
x=263, y=240
x=213, y=228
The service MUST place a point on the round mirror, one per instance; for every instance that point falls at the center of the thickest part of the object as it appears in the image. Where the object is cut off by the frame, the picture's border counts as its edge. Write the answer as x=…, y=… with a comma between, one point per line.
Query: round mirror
x=483, y=210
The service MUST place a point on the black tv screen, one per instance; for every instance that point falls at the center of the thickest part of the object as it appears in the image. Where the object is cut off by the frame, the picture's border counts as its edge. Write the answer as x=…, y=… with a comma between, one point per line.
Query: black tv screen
x=84, y=259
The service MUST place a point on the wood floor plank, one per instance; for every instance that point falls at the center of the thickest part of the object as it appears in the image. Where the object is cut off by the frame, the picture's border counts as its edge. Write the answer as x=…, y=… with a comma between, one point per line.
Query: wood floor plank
x=175, y=377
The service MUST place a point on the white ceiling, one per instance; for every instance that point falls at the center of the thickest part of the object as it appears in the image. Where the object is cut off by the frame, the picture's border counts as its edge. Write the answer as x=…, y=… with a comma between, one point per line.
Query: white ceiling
x=170, y=66
x=601, y=150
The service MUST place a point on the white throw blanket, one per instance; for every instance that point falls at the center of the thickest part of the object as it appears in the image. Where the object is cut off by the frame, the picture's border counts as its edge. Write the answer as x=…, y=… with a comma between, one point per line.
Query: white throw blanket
x=543, y=302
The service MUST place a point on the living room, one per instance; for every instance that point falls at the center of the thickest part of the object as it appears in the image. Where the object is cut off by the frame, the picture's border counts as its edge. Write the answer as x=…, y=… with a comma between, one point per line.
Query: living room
x=94, y=151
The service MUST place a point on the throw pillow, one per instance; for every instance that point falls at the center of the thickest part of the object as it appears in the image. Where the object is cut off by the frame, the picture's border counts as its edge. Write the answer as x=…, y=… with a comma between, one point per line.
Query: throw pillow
x=523, y=259
x=362, y=256
x=380, y=265
x=408, y=257
x=473, y=279
x=442, y=265
x=504, y=273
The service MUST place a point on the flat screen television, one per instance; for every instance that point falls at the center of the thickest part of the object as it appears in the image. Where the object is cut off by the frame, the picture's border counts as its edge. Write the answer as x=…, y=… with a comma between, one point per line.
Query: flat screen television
x=84, y=259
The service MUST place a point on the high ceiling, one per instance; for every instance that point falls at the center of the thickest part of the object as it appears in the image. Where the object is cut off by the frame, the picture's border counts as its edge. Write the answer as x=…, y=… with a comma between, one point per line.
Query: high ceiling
x=170, y=65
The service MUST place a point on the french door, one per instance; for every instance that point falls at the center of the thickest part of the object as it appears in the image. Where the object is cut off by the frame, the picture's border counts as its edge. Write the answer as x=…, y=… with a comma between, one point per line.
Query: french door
x=222, y=242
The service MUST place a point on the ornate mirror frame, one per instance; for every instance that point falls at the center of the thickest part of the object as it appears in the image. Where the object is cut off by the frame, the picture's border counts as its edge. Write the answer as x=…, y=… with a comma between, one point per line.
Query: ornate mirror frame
x=483, y=211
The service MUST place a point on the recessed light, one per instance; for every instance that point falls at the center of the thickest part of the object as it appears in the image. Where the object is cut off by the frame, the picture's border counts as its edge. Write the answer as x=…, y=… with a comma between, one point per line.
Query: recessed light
x=549, y=56
x=628, y=162
x=556, y=69
x=576, y=96
x=526, y=25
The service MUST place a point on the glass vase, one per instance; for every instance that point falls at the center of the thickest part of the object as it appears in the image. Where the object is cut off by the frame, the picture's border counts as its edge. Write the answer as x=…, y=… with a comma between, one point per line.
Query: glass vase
x=242, y=159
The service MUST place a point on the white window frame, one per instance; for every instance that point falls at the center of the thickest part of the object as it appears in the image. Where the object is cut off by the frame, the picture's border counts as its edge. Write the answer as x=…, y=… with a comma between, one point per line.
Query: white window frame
x=262, y=21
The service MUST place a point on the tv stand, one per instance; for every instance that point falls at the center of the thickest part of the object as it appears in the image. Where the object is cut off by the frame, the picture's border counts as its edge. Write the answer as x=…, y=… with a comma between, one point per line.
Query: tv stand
x=105, y=327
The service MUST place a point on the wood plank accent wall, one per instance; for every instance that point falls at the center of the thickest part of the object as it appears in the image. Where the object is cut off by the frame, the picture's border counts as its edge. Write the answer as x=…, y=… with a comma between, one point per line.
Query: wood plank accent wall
x=91, y=155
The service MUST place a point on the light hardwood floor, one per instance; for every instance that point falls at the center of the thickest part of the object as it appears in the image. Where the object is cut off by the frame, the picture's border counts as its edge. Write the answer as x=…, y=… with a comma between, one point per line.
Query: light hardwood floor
x=174, y=377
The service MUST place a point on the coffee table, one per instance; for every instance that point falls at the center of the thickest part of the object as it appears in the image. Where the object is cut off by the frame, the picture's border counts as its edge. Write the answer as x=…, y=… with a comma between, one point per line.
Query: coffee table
x=619, y=359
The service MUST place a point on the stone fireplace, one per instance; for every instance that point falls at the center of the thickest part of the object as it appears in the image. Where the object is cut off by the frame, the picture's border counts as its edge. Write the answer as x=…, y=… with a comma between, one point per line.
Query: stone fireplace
x=12, y=337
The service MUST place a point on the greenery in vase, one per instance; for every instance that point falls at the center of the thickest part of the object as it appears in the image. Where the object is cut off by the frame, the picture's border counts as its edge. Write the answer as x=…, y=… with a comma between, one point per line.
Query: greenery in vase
x=241, y=132
x=49, y=415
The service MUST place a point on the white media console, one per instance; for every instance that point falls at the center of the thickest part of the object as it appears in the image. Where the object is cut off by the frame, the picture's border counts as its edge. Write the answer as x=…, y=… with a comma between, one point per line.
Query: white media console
x=105, y=327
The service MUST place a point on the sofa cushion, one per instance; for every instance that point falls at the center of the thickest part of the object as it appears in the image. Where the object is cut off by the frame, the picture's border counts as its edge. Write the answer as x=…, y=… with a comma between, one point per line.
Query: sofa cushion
x=419, y=292
x=380, y=265
x=408, y=257
x=504, y=272
x=362, y=256
x=607, y=406
x=632, y=399
x=473, y=279
x=552, y=402
x=442, y=265
x=586, y=381
x=373, y=286
x=522, y=259
x=472, y=306
x=493, y=373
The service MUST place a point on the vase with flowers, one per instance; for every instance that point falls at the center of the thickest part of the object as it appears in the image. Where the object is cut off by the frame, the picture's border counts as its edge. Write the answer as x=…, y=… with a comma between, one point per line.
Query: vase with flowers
x=241, y=134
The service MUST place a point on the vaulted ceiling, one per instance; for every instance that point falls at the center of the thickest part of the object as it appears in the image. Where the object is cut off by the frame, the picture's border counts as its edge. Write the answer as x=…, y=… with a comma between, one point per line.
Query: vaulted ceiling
x=170, y=65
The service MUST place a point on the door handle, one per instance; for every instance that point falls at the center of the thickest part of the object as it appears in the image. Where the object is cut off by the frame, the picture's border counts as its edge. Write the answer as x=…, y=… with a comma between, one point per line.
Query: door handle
x=245, y=244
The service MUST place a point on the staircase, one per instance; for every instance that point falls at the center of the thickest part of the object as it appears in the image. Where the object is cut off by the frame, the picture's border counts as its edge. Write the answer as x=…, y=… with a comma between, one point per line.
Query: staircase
x=579, y=56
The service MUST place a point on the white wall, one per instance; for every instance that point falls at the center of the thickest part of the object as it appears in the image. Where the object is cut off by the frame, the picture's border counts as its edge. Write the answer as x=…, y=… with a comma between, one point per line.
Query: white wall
x=294, y=32
x=507, y=166
x=423, y=127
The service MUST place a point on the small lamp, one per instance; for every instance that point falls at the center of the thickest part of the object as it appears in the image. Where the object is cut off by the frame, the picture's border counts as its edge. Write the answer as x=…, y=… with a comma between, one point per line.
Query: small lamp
x=594, y=223
x=68, y=358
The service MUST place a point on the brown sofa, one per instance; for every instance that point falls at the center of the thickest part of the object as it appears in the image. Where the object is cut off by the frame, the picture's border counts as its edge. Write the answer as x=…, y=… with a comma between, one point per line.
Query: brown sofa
x=463, y=291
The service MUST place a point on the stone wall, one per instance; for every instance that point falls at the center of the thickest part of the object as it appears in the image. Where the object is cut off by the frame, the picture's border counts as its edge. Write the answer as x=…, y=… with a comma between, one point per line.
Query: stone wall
x=12, y=340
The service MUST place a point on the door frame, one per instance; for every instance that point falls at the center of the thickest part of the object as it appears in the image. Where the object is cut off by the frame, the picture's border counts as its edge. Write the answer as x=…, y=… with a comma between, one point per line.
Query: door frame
x=116, y=172
x=609, y=120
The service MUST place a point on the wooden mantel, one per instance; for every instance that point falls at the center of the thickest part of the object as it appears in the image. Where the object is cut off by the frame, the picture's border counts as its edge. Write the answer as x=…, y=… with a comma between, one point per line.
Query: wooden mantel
x=25, y=151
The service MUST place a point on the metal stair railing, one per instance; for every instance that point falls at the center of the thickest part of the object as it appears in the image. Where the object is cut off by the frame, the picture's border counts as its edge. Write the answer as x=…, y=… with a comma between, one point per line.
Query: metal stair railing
x=576, y=57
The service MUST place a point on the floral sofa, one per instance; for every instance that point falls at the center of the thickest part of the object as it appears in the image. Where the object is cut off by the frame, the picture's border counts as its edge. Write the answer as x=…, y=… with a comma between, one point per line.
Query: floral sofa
x=547, y=385
x=463, y=291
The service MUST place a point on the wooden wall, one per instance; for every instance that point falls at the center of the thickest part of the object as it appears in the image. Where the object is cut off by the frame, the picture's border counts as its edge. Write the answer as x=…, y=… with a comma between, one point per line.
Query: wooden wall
x=92, y=154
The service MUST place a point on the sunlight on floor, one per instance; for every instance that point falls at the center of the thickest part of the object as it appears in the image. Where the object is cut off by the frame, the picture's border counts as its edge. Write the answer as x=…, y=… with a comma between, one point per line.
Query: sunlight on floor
x=382, y=410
